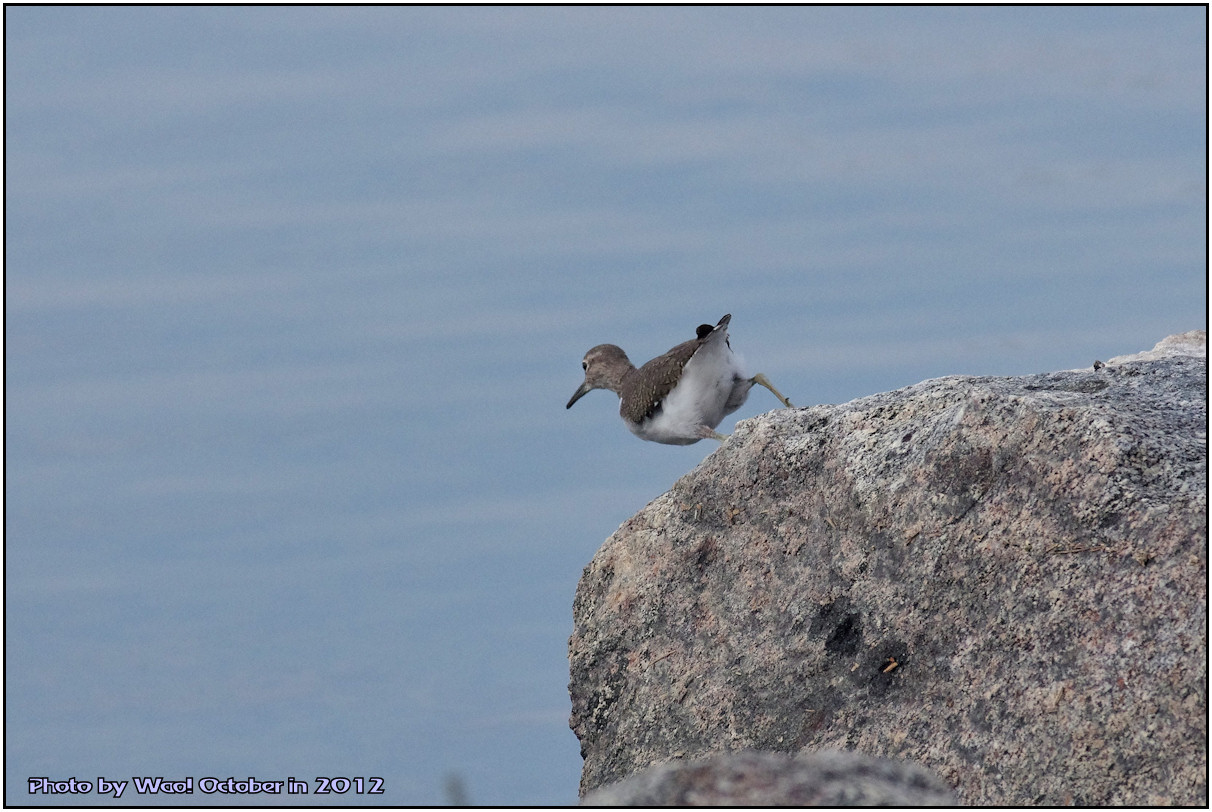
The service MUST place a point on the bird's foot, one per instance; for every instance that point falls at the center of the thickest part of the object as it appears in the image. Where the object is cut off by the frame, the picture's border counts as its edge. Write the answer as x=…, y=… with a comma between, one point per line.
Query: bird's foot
x=764, y=381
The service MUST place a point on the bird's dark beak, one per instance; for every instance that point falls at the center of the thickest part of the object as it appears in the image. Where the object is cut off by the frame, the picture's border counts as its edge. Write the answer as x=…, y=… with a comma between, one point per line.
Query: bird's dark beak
x=580, y=393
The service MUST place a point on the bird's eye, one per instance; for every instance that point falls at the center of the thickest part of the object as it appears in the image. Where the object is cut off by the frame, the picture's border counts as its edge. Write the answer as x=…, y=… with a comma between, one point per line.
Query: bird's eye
x=585, y=365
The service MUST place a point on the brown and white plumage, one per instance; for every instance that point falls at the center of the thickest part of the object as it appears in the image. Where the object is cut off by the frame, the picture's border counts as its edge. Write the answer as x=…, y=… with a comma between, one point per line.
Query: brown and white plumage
x=679, y=397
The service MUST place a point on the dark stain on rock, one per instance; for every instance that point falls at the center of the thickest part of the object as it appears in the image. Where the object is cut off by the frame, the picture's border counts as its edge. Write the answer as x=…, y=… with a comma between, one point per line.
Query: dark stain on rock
x=842, y=627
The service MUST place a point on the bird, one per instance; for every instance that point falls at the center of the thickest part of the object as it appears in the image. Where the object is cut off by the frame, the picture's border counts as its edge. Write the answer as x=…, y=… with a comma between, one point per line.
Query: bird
x=680, y=397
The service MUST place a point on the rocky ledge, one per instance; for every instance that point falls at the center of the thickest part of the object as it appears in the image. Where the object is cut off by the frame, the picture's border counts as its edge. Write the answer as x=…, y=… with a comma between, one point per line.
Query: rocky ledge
x=1003, y=580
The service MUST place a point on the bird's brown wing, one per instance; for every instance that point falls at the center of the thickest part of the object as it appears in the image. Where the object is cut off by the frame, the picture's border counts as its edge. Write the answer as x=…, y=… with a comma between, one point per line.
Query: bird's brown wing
x=646, y=389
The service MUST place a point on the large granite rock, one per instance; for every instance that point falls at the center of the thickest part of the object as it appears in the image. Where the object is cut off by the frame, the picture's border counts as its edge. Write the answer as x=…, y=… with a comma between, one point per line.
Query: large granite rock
x=1001, y=579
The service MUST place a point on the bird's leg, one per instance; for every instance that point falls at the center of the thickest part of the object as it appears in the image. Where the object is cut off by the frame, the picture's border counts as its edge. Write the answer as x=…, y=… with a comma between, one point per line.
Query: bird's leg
x=708, y=433
x=764, y=381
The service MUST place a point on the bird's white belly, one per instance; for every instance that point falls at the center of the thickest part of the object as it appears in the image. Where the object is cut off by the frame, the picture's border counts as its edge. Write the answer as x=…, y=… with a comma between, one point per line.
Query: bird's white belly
x=712, y=385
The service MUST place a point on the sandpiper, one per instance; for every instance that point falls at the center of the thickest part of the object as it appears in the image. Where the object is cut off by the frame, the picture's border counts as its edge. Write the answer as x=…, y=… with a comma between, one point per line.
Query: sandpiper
x=679, y=397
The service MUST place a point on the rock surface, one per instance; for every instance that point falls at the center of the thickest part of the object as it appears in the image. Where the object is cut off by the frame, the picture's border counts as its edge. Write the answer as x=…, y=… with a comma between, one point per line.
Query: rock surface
x=1001, y=579
x=751, y=778
x=1193, y=343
